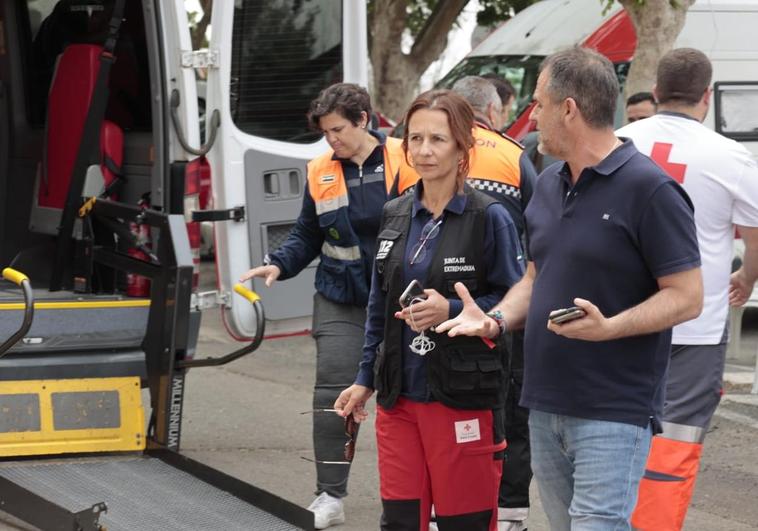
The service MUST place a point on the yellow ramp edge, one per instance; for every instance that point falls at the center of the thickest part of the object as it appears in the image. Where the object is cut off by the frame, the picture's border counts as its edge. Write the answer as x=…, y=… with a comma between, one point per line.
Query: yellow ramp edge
x=49, y=417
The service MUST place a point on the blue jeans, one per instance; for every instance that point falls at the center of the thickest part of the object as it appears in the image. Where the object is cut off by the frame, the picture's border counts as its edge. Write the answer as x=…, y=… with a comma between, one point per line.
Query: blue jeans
x=587, y=471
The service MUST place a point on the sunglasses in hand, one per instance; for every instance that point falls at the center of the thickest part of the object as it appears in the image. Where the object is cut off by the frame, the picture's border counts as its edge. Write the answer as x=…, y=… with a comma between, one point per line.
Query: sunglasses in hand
x=351, y=429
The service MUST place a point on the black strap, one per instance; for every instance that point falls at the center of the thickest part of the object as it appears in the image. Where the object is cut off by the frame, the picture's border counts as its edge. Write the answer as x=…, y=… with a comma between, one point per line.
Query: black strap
x=87, y=153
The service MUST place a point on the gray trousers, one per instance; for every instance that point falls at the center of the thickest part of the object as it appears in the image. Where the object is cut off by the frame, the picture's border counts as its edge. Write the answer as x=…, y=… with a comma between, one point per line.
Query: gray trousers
x=339, y=333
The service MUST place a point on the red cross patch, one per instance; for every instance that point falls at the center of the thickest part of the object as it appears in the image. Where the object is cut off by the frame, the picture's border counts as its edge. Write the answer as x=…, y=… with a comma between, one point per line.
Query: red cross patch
x=660, y=154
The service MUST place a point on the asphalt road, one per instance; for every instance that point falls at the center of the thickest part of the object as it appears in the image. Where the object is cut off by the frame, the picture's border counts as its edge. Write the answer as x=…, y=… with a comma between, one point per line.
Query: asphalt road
x=245, y=419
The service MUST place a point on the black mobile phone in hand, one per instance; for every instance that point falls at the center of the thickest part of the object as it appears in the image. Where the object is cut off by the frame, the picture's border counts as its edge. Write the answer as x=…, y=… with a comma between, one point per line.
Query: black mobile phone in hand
x=565, y=315
x=414, y=291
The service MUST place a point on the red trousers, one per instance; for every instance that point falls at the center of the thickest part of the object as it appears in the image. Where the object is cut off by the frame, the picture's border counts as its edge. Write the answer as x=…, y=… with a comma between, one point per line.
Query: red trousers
x=433, y=454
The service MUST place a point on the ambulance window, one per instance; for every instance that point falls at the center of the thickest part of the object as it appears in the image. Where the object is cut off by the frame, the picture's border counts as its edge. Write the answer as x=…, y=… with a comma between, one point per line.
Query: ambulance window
x=521, y=71
x=283, y=54
x=736, y=109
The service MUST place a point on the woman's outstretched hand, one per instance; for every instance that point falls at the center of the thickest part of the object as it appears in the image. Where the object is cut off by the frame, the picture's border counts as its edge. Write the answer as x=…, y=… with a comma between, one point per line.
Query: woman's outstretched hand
x=269, y=272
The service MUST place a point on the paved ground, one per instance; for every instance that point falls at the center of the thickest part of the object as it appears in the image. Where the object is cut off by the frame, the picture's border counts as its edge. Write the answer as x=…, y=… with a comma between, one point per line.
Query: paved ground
x=244, y=419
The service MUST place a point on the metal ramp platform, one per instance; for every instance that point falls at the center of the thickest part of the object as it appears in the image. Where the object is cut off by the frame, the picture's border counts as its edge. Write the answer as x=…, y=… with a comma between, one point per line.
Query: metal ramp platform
x=76, y=416
x=141, y=493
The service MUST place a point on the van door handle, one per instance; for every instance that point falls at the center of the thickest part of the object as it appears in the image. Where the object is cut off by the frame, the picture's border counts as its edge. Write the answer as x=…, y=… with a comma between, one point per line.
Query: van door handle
x=214, y=123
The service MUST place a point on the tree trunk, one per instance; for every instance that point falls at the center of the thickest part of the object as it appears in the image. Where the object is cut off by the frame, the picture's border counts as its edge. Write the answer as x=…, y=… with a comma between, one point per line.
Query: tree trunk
x=657, y=24
x=198, y=32
x=396, y=74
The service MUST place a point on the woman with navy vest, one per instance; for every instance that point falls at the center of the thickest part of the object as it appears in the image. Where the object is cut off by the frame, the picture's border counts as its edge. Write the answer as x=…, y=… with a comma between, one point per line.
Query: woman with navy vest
x=439, y=399
x=345, y=191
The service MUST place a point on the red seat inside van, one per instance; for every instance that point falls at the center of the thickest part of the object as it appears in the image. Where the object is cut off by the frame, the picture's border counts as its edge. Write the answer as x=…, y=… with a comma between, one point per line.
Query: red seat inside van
x=69, y=100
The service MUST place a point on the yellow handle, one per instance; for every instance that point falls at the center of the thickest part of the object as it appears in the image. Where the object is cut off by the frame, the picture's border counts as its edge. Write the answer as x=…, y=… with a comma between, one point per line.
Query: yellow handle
x=14, y=276
x=248, y=294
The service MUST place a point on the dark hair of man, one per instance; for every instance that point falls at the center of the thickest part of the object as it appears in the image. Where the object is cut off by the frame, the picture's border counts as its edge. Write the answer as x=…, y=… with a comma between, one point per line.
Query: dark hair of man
x=460, y=119
x=683, y=76
x=639, y=97
x=504, y=88
x=588, y=78
x=346, y=99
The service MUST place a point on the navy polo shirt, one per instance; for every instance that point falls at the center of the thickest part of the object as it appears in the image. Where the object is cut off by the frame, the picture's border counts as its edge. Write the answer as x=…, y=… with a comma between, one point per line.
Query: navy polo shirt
x=504, y=264
x=606, y=239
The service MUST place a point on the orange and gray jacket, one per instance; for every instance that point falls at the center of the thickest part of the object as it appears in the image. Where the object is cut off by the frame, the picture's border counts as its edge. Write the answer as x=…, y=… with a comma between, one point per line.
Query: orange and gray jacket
x=500, y=168
x=339, y=220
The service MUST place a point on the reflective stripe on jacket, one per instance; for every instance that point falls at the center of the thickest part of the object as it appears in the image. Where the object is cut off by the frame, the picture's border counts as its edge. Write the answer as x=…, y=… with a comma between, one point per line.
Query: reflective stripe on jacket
x=341, y=275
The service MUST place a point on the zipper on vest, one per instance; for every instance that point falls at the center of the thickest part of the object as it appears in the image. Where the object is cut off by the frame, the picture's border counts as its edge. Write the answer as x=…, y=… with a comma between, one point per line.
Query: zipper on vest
x=360, y=179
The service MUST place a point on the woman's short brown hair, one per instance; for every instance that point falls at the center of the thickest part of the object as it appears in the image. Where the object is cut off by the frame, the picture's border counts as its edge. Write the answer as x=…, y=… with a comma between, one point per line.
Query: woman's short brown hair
x=460, y=118
x=346, y=99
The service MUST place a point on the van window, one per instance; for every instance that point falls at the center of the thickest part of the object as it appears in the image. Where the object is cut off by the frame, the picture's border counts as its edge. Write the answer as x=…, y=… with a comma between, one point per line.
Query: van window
x=283, y=54
x=735, y=105
x=521, y=71
x=52, y=25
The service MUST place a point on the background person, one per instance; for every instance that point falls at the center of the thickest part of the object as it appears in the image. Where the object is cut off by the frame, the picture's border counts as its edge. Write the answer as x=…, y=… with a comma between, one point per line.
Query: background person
x=507, y=95
x=439, y=400
x=639, y=106
x=721, y=177
x=344, y=194
x=611, y=233
x=501, y=169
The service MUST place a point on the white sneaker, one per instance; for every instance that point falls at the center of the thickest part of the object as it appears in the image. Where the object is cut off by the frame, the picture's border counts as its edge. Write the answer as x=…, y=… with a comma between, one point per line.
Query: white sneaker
x=327, y=511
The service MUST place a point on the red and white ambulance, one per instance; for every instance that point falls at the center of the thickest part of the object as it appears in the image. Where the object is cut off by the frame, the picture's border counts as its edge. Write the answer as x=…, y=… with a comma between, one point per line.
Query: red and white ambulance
x=723, y=29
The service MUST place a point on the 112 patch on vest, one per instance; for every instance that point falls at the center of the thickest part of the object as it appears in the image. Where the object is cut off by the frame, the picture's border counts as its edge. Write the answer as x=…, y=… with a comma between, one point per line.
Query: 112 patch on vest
x=385, y=246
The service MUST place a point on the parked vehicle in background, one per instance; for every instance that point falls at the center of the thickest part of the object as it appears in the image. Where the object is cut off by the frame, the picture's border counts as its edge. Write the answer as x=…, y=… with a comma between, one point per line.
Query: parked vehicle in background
x=723, y=29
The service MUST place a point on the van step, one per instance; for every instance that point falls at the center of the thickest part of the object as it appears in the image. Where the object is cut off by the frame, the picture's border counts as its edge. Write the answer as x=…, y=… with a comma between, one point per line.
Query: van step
x=49, y=417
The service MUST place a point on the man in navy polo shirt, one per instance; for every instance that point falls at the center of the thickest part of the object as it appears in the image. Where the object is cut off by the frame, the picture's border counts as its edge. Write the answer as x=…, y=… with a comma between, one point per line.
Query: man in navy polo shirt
x=611, y=233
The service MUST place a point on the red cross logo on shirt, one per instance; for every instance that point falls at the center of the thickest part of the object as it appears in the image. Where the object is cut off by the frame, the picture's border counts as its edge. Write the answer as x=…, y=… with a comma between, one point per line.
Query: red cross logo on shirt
x=660, y=155
x=467, y=427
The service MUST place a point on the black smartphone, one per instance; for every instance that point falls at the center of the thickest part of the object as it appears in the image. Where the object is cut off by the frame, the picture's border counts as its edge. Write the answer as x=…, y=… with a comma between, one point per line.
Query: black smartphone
x=565, y=315
x=414, y=291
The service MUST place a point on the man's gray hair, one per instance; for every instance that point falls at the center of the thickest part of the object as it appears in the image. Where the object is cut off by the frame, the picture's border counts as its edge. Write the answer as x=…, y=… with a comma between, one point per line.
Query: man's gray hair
x=479, y=92
x=587, y=77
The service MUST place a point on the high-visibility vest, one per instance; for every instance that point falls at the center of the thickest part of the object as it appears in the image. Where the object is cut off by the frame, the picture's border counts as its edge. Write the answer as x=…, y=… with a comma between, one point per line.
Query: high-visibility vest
x=340, y=276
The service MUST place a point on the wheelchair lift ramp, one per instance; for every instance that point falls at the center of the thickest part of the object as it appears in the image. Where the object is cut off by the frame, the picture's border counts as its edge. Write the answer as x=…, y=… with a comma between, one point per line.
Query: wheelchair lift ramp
x=141, y=493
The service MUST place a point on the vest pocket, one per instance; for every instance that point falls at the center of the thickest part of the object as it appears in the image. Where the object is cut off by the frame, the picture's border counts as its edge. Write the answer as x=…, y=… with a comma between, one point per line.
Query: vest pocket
x=470, y=283
x=465, y=370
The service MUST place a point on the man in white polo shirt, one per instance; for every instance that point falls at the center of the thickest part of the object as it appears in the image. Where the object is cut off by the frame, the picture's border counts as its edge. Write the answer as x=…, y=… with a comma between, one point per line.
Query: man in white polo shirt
x=721, y=178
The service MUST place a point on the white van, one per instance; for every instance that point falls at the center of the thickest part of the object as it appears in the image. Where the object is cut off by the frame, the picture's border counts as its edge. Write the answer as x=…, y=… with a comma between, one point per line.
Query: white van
x=723, y=29
x=131, y=142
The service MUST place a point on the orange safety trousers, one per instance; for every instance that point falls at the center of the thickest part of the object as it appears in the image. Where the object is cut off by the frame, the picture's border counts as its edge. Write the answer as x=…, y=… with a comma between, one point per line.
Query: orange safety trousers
x=667, y=486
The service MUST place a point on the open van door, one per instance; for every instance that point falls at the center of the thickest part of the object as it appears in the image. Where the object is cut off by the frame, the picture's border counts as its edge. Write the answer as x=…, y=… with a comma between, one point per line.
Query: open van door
x=270, y=59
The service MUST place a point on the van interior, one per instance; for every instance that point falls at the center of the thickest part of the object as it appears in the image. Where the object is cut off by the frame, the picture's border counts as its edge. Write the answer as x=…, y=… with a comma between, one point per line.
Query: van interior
x=50, y=56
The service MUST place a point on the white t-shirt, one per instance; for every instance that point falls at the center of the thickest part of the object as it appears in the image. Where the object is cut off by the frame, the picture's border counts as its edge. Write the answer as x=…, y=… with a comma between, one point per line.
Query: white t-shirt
x=721, y=178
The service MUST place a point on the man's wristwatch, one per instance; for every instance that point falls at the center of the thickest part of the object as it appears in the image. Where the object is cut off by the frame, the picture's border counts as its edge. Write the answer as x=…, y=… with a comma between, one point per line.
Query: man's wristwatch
x=497, y=315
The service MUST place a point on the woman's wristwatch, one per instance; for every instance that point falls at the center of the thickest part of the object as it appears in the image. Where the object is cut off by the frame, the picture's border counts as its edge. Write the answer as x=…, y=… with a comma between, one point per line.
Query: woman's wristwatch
x=497, y=316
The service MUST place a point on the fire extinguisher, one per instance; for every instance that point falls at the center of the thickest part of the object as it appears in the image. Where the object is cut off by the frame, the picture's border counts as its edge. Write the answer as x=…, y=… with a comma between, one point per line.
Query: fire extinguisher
x=137, y=285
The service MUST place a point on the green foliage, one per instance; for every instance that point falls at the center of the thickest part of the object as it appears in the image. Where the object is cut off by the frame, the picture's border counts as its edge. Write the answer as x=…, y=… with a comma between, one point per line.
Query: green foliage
x=492, y=11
